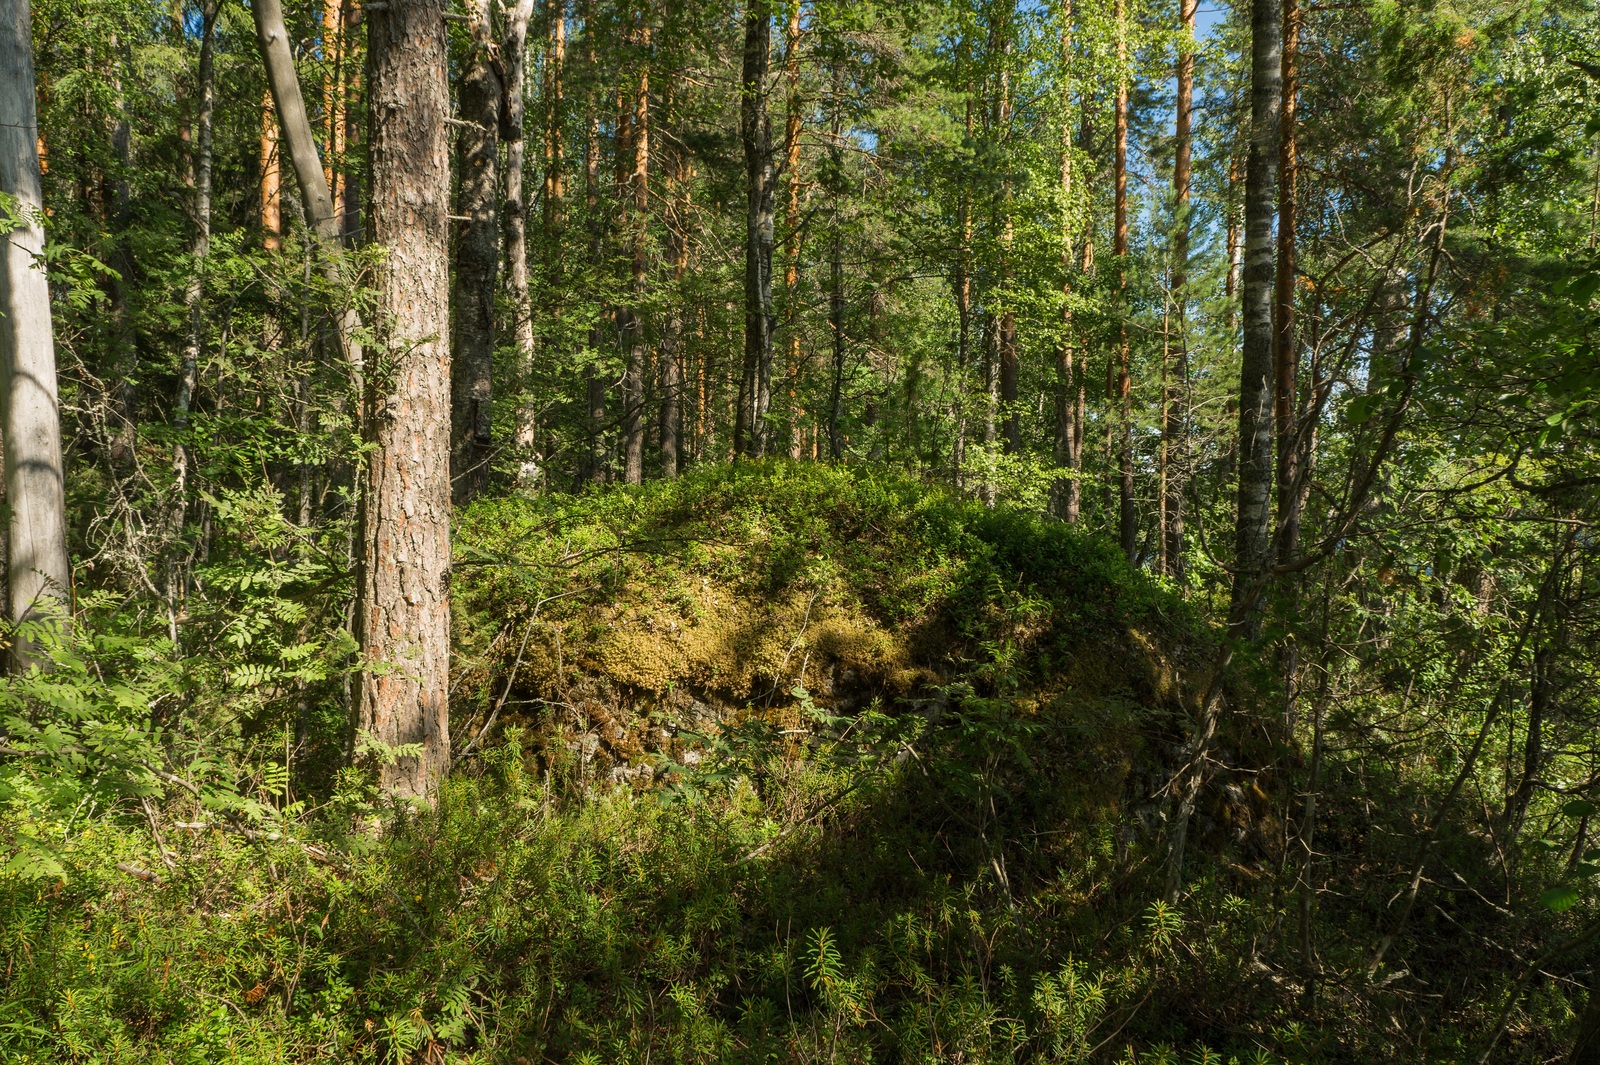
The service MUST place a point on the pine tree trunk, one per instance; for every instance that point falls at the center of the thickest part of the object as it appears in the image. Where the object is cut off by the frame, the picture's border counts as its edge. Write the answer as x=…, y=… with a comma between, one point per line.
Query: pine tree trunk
x=271, y=208
x=791, y=240
x=1127, y=519
x=755, y=130
x=1064, y=490
x=37, y=569
x=836, y=328
x=1286, y=351
x=1174, y=420
x=635, y=371
x=594, y=467
x=678, y=177
x=1256, y=375
x=404, y=611
x=477, y=262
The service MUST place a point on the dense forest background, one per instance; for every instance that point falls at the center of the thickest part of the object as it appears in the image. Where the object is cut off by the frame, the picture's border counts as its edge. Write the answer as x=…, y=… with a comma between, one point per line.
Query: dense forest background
x=961, y=530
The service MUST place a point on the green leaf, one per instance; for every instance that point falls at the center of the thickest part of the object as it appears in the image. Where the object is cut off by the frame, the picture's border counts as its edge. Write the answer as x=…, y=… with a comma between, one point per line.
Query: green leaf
x=1560, y=898
x=1580, y=808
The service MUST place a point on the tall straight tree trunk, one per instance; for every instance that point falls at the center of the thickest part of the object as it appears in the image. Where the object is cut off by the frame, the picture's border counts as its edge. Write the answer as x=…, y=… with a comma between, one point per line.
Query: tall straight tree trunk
x=482, y=95
x=1235, y=267
x=271, y=209
x=1256, y=374
x=199, y=252
x=514, y=54
x=679, y=176
x=1006, y=339
x=635, y=372
x=963, y=294
x=1127, y=519
x=350, y=125
x=755, y=131
x=836, y=329
x=791, y=225
x=37, y=571
x=404, y=606
x=1174, y=420
x=1286, y=354
x=295, y=131
x=1064, y=490
x=594, y=467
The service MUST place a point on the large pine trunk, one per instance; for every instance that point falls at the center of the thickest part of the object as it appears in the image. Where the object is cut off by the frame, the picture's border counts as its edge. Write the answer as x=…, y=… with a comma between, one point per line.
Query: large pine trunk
x=36, y=541
x=1257, y=371
x=482, y=96
x=404, y=612
x=755, y=129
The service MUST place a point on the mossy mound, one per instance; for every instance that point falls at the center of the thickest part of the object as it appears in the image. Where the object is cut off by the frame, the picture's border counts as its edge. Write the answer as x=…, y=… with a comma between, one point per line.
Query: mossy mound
x=632, y=614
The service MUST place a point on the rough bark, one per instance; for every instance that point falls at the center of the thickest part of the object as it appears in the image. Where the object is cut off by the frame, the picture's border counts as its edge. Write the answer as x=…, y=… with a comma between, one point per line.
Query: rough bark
x=404, y=613
x=37, y=571
x=271, y=208
x=638, y=226
x=755, y=132
x=791, y=238
x=1127, y=519
x=514, y=54
x=1256, y=375
x=1174, y=420
x=836, y=329
x=1286, y=351
x=477, y=261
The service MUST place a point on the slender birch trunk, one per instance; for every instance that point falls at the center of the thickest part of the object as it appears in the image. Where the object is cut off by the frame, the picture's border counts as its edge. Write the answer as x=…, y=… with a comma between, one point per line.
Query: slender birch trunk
x=37, y=568
x=1256, y=376
x=755, y=130
x=1286, y=353
x=514, y=54
x=636, y=371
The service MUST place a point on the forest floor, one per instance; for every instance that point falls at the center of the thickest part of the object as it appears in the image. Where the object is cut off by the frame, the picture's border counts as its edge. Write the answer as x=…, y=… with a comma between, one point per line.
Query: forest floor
x=771, y=763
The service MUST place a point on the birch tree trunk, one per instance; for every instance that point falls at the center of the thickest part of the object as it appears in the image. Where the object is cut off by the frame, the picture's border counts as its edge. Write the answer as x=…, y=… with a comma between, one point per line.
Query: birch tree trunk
x=755, y=130
x=37, y=571
x=514, y=53
x=791, y=238
x=1006, y=338
x=477, y=262
x=295, y=131
x=404, y=612
x=194, y=289
x=1286, y=353
x=1256, y=374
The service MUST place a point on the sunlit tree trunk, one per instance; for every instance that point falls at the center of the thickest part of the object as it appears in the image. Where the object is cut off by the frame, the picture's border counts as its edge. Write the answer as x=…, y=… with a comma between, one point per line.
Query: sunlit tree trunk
x=271, y=207
x=1174, y=420
x=194, y=290
x=1256, y=375
x=477, y=261
x=1064, y=491
x=791, y=239
x=514, y=54
x=635, y=372
x=755, y=131
x=37, y=571
x=404, y=615
x=1127, y=519
x=1286, y=349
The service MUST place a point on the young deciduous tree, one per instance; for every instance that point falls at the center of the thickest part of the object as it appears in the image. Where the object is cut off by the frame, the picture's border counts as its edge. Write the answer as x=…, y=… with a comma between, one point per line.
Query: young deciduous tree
x=37, y=571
